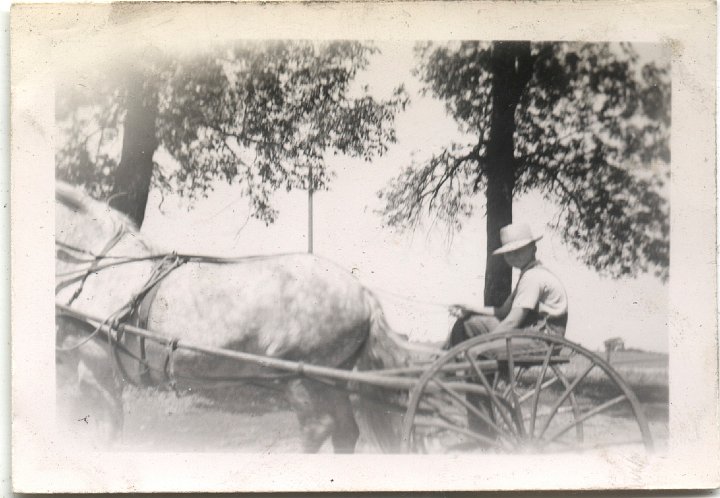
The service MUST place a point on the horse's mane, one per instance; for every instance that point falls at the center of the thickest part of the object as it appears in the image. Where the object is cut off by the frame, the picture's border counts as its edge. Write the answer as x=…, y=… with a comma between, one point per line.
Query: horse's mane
x=78, y=200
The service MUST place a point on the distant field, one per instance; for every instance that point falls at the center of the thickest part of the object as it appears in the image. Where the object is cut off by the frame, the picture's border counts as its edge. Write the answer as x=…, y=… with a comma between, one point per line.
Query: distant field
x=638, y=358
x=645, y=373
x=641, y=368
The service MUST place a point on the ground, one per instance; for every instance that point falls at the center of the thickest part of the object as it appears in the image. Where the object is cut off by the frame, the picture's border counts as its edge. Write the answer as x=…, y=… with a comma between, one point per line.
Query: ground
x=253, y=420
x=239, y=419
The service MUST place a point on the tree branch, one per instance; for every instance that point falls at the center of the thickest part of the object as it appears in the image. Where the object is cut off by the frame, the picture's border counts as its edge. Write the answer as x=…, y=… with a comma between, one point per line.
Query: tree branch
x=448, y=174
x=556, y=181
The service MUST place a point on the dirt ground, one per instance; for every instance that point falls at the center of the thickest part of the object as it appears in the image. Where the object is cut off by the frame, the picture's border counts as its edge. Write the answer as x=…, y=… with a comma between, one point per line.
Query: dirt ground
x=254, y=420
x=251, y=420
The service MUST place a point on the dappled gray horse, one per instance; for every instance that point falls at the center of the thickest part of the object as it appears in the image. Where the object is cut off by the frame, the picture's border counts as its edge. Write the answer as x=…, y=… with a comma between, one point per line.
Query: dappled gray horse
x=297, y=307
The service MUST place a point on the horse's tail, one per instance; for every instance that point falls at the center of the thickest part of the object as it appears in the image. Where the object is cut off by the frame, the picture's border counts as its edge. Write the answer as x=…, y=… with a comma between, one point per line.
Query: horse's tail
x=380, y=410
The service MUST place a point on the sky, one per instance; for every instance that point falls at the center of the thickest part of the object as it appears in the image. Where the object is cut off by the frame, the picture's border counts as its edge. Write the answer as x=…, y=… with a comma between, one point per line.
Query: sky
x=415, y=275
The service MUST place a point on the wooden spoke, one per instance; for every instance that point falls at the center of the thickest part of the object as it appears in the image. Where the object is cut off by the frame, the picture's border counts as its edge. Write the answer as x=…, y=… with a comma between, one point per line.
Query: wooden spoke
x=515, y=402
x=573, y=403
x=538, y=386
x=543, y=386
x=491, y=392
x=460, y=430
x=520, y=372
x=470, y=407
x=568, y=391
x=586, y=416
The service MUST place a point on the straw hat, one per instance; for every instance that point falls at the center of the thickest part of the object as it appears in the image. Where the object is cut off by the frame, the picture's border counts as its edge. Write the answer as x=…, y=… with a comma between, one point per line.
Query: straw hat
x=514, y=237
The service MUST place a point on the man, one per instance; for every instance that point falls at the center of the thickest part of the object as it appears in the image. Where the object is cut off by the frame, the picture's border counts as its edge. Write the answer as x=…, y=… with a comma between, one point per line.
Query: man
x=538, y=303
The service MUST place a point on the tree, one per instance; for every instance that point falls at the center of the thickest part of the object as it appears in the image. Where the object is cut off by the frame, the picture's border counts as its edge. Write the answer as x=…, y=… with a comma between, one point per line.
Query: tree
x=587, y=125
x=260, y=115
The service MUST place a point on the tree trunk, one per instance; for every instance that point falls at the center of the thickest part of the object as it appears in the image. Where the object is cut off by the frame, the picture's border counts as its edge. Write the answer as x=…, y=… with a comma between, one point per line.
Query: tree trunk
x=134, y=173
x=511, y=66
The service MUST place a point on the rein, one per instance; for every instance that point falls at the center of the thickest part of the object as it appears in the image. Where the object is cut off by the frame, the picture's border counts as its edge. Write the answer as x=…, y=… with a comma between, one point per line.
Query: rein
x=119, y=234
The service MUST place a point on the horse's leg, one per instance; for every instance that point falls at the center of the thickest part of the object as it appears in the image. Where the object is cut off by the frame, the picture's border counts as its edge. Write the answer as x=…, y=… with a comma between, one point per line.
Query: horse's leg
x=106, y=389
x=324, y=411
x=346, y=432
x=316, y=423
x=88, y=388
x=69, y=402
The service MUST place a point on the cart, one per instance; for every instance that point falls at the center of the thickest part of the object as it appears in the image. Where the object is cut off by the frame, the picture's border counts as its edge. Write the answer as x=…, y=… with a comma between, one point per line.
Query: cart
x=511, y=392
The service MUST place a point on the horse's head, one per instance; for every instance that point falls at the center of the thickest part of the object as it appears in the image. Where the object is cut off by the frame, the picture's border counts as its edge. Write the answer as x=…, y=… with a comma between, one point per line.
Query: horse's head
x=84, y=226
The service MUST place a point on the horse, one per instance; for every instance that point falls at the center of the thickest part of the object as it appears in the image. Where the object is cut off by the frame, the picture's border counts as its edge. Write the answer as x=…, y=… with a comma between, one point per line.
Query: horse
x=296, y=307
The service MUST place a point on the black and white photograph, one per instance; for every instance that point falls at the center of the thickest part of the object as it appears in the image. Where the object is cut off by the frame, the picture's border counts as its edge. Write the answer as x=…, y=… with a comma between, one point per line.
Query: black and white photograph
x=438, y=248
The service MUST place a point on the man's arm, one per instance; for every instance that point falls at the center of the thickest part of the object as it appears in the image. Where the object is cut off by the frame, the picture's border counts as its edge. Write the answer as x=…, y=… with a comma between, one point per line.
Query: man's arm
x=500, y=312
x=465, y=310
x=503, y=310
x=513, y=320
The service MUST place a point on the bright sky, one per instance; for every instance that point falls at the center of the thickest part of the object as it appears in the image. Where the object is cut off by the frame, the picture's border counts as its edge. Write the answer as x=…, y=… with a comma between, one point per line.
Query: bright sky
x=415, y=275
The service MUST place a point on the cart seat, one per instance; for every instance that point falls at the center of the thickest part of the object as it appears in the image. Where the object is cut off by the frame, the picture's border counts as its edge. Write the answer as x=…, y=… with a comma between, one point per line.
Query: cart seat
x=532, y=360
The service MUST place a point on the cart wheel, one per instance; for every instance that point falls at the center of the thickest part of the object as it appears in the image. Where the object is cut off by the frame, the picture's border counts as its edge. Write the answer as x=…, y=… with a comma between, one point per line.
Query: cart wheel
x=521, y=392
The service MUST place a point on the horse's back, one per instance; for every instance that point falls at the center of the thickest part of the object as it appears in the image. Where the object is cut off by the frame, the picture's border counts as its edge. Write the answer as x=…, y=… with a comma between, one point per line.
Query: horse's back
x=298, y=307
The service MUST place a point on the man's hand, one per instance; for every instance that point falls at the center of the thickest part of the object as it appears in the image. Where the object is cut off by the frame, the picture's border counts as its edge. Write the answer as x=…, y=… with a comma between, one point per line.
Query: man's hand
x=459, y=311
x=464, y=311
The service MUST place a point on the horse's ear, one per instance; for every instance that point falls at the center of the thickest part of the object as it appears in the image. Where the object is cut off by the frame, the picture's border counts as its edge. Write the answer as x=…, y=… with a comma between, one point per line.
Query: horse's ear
x=71, y=200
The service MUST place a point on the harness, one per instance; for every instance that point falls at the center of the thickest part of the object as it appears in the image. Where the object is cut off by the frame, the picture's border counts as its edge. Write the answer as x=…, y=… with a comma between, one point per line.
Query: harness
x=138, y=314
x=135, y=312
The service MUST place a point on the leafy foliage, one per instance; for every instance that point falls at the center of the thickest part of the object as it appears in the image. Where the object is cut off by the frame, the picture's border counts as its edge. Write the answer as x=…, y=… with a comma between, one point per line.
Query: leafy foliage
x=591, y=134
x=256, y=114
x=88, y=128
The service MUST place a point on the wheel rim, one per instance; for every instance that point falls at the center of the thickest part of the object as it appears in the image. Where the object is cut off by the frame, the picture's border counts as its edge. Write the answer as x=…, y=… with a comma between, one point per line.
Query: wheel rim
x=527, y=405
